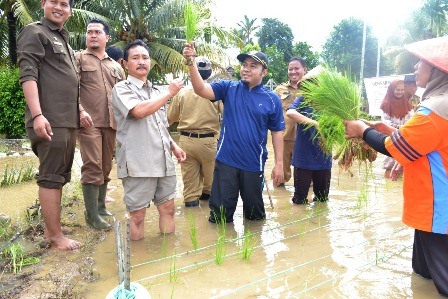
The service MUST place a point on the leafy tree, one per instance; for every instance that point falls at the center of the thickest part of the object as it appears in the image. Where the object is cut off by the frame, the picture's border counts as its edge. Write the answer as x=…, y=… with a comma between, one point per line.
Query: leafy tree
x=343, y=49
x=277, y=65
x=302, y=49
x=274, y=32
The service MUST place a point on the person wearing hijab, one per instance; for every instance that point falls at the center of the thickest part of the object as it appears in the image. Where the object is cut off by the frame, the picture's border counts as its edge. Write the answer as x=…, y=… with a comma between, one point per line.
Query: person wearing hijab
x=421, y=147
x=396, y=111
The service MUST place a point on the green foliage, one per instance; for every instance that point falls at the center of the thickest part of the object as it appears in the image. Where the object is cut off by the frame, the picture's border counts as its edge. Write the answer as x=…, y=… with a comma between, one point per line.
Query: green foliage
x=274, y=32
x=15, y=175
x=302, y=49
x=12, y=104
x=343, y=50
x=277, y=65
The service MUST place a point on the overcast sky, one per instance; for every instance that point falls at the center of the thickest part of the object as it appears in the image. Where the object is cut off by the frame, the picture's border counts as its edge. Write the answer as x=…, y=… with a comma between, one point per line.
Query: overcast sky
x=312, y=21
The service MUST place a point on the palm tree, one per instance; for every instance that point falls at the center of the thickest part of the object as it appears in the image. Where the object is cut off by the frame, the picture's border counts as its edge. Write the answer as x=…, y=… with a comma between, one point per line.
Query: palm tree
x=160, y=24
x=247, y=28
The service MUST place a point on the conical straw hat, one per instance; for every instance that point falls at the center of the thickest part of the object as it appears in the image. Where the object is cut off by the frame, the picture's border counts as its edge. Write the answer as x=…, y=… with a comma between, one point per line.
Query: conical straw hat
x=433, y=51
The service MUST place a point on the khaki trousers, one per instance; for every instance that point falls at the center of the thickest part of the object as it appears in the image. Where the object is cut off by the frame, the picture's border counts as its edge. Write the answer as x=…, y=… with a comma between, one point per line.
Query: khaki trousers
x=288, y=149
x=197, y=169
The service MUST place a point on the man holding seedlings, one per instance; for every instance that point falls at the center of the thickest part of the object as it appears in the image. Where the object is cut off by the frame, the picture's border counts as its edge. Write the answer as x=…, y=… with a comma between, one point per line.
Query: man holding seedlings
x=144, y=145
x=421, y=147
x=50, y=85
x=198, y=127
x=98, y=74
x=250, y=111
x=287, y=92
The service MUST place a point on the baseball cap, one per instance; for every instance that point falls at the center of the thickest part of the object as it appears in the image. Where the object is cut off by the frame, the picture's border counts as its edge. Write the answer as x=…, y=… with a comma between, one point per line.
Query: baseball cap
x=409, y=78
x=258, y=56
x=203, y=63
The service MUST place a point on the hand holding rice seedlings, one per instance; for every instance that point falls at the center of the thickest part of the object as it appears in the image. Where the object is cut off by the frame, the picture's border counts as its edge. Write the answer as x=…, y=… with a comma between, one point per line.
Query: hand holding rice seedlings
x=335, y=98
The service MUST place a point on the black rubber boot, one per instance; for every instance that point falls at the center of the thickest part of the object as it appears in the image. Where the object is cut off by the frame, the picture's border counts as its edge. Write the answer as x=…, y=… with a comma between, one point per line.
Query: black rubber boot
x=102, y=201
x=93, y=219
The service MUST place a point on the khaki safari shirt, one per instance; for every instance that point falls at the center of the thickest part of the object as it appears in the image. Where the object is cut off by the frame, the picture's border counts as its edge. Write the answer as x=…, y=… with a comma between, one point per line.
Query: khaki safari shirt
x=143, y=145
x=195, y=114
x=287, y=94
x=97, y=78
x=45, y=56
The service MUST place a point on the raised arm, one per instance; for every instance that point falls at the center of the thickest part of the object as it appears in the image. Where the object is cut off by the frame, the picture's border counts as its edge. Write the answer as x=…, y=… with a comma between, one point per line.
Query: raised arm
x=200, y=87
x=148, y=107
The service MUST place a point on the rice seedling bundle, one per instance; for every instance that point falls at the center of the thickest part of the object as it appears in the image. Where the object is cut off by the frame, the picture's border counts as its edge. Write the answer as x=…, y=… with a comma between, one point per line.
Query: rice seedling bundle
x=334, y=98
x=191, y=18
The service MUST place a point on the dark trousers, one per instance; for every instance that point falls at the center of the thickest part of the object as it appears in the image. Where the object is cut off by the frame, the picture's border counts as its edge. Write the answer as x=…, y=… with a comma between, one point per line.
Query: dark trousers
x=230, y=182
x=430, y=258
x=302, y=181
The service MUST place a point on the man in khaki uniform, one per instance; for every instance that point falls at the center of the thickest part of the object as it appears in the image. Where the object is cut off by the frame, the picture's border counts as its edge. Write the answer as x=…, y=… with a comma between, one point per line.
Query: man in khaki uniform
x=287, y=92
x=98, y=74
x=199, y=127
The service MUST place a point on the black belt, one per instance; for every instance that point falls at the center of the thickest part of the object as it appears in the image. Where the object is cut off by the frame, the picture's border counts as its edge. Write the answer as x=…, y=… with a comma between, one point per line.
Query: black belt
x=197, y=135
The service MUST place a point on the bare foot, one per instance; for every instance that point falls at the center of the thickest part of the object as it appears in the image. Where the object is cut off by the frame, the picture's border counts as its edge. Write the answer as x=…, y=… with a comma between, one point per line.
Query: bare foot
x=64, y=243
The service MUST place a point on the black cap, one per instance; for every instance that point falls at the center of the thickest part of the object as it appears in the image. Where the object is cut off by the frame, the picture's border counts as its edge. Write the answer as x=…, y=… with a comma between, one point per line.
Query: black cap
x=409, y=78
x=258, y=56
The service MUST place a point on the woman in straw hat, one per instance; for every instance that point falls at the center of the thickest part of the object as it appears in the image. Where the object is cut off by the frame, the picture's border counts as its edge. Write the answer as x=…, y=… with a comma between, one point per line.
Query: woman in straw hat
x=421, y=146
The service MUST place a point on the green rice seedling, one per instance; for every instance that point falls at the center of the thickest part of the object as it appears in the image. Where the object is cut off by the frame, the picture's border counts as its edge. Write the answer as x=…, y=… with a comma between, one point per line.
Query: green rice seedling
x=193, y=231
x=247, y=248
x=221, y=242
x=191, y=18
x=14, y=253
x=164, y=245
x=174, y=274
x=220, y=250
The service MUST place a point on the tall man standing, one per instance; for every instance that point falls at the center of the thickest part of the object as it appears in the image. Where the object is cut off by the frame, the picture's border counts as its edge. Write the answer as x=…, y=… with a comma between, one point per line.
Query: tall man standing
x=198, y=127
x=144, y=145
x=50, y=85
x=288, y=92
x=98, y=74
x=250, y=111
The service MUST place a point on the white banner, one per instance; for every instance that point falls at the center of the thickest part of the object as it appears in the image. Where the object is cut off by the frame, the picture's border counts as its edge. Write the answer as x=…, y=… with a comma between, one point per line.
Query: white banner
x=376, y=89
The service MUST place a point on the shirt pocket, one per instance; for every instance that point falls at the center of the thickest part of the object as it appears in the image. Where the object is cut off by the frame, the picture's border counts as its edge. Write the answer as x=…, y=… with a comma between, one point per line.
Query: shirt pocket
x=59, y=53
x=88, y=72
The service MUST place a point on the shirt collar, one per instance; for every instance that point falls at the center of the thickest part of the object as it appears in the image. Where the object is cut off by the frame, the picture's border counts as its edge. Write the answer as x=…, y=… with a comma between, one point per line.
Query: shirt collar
x=53, y=27
x=137, y=82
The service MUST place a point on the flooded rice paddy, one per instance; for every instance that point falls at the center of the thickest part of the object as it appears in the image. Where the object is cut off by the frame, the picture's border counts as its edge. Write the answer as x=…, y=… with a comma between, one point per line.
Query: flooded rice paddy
x=353, y=246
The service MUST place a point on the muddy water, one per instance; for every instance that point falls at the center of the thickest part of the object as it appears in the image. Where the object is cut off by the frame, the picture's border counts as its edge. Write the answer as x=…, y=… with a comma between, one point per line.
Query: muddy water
x=353, y=246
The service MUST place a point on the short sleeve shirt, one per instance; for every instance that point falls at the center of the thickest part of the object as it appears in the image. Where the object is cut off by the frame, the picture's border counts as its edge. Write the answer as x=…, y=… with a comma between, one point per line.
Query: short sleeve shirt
x=248, y=115
x=143, y=145
x=307, y=153
x=195, y=114
x=45, y=56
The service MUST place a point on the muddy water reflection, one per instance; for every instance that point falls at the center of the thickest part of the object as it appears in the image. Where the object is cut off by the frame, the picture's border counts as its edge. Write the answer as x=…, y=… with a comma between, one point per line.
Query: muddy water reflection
x=354, y=246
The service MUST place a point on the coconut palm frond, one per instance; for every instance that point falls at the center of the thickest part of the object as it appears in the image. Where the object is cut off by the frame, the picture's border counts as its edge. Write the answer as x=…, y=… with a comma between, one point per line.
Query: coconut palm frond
x=169, y=60
x=27, y=12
